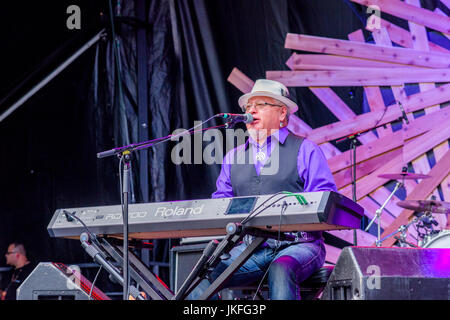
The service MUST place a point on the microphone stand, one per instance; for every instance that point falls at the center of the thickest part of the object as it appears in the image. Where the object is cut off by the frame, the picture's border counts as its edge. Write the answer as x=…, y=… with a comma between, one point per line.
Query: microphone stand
x=353, y=147
x=378, y=214
x=126, y=158
x=124, y=153
x=353, y=138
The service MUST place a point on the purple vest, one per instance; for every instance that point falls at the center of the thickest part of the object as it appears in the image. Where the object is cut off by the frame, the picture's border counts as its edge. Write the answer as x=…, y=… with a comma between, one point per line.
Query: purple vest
x=279, y=173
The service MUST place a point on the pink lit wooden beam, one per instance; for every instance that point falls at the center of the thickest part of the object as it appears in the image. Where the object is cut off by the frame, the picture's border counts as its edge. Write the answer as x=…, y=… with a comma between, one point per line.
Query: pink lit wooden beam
x=364, y=50
x=359, y=77
x=411, y=13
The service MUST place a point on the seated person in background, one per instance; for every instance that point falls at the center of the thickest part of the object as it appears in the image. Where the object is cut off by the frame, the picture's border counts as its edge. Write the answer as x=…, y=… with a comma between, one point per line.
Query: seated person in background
x=16, y=256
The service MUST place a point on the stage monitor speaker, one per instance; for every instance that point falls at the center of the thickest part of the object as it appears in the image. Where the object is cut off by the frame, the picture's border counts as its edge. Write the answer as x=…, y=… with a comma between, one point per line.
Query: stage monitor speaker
x=371, y=273
x=56, y=281
x=182, y=260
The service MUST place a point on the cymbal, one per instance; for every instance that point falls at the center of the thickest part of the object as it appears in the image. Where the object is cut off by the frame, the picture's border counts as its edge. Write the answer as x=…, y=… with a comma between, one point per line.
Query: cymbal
x=432, y=206
x=404, y=175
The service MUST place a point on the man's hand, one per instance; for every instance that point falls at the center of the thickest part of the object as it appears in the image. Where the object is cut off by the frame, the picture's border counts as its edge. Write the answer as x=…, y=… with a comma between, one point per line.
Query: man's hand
x=142, y=293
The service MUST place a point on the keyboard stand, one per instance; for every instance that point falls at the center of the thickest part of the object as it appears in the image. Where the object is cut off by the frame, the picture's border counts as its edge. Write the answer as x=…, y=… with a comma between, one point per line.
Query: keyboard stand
x=140, y=273
x=213, y=253
x=155, y=289
x=216, y=251
x=218, y=284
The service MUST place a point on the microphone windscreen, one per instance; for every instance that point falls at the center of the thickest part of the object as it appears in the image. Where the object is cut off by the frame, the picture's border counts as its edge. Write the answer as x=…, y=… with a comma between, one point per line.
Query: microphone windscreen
x=249, y=118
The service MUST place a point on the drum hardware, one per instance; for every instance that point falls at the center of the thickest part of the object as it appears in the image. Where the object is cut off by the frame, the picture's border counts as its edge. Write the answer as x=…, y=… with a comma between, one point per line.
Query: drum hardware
x=378, y=214
x=403, y=229
x=426, y=237
x=404, y=243
x=404, y=175
x=424, y=227
x=432, y=206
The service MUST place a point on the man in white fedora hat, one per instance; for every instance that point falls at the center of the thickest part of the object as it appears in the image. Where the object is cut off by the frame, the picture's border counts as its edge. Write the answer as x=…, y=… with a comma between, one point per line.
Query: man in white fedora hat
x=301, y=167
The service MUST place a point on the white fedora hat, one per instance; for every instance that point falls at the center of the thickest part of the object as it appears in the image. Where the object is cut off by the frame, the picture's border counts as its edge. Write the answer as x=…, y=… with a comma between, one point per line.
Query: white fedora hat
x=269, y=88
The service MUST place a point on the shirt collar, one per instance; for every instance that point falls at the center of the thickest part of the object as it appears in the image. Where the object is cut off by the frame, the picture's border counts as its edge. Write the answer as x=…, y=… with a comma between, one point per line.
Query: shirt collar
x=280, y=134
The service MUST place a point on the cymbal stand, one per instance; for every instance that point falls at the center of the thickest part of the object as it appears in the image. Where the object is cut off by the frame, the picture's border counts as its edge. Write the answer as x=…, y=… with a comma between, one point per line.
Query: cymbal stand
x=404, y=242
x=379, y=212
x=403, y=229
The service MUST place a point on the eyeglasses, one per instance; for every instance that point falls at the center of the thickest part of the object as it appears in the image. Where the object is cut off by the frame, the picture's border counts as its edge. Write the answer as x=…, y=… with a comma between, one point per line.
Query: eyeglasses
x=8, y=253
x=259, y=106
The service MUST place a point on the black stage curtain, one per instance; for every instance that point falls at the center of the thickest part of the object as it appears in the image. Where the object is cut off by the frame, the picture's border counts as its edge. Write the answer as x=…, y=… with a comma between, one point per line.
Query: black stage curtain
x=49, y=144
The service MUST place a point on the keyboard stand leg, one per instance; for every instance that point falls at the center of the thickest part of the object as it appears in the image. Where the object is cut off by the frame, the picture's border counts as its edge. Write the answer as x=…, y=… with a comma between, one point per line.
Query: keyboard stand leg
x=218, y=284
x=140, y=273
x=208, y=261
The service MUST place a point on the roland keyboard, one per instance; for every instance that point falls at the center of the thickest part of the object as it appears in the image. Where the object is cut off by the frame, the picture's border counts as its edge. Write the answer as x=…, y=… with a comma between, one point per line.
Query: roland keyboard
x=325, y=210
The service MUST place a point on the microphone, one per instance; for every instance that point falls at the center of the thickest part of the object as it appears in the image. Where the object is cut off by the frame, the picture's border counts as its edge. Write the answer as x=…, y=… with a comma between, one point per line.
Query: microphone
x=235, y=117
x=428, y=221
x=403, y=112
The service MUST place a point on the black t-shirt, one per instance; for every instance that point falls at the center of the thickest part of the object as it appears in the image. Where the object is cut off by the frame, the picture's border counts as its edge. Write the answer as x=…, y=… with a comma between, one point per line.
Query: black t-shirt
x=16, y=279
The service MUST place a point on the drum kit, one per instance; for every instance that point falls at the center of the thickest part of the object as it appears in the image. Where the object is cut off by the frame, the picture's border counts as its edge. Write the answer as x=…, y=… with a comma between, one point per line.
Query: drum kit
x=424, y=222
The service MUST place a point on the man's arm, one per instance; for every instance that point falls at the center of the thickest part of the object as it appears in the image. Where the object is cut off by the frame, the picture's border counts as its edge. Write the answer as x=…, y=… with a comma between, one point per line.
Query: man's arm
x=223, y=183
x=313, y=168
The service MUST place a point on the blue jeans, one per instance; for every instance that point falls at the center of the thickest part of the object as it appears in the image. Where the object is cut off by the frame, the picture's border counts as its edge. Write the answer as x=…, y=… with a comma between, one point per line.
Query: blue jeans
x=289, y=266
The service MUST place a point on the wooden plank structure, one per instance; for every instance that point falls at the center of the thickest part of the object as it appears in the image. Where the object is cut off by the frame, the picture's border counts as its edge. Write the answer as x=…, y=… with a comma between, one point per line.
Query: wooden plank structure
x=422, y=145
